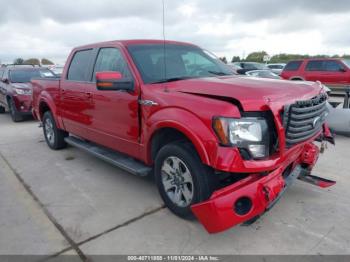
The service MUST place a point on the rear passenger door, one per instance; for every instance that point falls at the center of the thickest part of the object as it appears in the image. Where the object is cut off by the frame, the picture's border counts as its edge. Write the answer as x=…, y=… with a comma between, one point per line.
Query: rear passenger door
x=314, y=70
x=76, y=93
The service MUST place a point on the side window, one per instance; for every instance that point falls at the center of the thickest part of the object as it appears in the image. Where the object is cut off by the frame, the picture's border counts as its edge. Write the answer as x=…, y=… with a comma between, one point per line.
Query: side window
x=111, y=59
x=79, y=66
x=314, y=66
x=332, y=66
x=293, y=66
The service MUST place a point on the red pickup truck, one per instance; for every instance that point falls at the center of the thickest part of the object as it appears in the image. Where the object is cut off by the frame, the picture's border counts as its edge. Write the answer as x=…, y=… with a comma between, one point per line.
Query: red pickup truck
x=333, y=72
x=222, y=147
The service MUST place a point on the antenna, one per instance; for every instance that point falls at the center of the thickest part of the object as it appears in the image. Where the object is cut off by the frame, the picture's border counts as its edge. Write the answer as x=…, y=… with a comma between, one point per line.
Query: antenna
x=164, y=49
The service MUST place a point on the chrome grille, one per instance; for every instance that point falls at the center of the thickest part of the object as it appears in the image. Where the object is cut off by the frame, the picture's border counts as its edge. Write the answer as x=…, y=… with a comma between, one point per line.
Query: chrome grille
x=304, y=119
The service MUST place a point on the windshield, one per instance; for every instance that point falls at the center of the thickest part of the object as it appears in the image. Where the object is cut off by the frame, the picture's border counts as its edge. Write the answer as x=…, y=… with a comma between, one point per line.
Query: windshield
x=25, y=75
x=346, y=62
x=181, y=62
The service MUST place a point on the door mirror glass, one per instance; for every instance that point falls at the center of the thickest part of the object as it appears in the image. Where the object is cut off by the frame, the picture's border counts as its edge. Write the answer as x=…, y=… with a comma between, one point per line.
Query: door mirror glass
x=113, y=81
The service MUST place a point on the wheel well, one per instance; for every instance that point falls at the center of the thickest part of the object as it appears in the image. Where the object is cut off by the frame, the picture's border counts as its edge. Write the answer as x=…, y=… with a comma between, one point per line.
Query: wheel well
x=165, y=136
x=43, y=107
x=296, y=79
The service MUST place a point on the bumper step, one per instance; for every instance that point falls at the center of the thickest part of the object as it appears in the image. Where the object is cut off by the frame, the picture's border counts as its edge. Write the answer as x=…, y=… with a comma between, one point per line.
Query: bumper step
x=117, y=159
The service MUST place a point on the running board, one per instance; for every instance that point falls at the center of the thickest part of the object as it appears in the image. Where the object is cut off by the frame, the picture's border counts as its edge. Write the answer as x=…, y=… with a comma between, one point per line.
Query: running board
x=315, y=180
x=117, y=159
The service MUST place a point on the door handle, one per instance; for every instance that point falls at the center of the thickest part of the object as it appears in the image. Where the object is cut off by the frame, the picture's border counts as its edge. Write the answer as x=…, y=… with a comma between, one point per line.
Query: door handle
x=88, y=94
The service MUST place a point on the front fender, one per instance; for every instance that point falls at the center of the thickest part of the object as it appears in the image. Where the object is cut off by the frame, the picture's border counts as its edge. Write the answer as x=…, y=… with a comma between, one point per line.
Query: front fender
x=195, y=129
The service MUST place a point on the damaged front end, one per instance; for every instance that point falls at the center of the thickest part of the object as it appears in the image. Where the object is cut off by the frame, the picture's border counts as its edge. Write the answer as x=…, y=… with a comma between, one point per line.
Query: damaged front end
x=252, y=196
x=242, y=202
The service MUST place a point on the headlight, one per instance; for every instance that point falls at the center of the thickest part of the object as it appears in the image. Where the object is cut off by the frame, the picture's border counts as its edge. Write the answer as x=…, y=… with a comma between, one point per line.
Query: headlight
x=21, y=91
x=250, y=134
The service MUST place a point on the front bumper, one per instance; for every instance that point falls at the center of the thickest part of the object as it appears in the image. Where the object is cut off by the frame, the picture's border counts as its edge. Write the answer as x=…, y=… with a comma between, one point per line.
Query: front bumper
x=253, y=195
x=23, y=104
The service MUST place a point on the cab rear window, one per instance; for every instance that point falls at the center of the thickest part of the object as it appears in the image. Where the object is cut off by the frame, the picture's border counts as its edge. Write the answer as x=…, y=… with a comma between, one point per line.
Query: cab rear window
x=293, y=66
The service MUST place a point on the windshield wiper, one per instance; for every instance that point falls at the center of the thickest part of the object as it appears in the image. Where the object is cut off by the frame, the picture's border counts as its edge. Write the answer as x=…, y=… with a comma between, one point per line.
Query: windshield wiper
x=218, y=73
x=173, y=79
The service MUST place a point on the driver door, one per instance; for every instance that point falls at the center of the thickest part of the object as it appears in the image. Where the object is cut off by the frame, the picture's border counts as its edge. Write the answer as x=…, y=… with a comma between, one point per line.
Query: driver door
x=115, y=115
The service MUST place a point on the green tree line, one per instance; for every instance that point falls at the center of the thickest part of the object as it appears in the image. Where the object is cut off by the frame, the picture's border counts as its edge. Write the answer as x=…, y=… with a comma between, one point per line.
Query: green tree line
x=279, y=58
x=32, y=61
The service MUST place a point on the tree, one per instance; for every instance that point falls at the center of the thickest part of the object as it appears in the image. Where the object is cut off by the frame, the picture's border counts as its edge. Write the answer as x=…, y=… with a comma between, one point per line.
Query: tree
x=32, y=61
x=235, y=59
x=256, y=57
x=18, y=61
x=223, y=59
x=45, y=61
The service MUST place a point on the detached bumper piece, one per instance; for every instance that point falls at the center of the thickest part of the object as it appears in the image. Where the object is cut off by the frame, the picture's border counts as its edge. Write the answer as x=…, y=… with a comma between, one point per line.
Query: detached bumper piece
x=249, y=198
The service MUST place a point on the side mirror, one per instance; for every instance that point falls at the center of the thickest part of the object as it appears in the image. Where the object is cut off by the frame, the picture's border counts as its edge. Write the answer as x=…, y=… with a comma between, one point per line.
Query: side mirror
x=107, y=81
x=5, y=80
x=342, y=69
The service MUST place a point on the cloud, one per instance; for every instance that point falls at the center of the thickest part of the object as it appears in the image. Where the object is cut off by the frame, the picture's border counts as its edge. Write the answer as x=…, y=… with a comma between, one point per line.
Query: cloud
x=41, y=28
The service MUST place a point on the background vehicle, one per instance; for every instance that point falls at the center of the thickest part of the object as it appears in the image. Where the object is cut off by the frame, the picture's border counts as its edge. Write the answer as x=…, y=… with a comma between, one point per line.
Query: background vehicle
x=249, y=66
x=16, y=89
x=276, y=68
x=334, y=73
x=234, y=67
x=339, y=116
x=263, y=74
x=57, y=69
x=215, y=141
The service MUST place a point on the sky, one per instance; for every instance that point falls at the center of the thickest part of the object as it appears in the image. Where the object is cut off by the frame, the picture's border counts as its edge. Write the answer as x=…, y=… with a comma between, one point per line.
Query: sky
x=50, y=29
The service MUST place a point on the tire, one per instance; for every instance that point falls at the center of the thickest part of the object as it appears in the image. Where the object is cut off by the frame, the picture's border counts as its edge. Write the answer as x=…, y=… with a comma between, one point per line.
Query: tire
x=54, y=137
x=2, y=110
x=178, y=188
x=16, y=117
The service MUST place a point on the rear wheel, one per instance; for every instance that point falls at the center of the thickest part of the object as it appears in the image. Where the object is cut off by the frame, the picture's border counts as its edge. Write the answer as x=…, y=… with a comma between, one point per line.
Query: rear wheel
x=16, y=117
x=54, y=137
x=2, y=109
x=181, y=178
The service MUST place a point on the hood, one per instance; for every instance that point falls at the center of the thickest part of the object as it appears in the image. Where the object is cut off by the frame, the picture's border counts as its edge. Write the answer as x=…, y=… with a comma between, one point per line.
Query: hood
x=22, y=85
x=253, y=94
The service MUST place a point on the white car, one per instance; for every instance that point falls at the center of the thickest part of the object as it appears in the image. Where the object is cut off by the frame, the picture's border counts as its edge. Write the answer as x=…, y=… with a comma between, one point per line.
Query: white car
x=276, y=68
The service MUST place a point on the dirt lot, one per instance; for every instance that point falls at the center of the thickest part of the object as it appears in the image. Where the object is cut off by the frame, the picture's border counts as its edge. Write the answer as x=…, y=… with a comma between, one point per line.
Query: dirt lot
x=59, y=202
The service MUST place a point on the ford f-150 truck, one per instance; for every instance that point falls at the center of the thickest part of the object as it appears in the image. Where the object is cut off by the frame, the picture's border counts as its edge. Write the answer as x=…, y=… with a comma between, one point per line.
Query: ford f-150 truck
x=222, y=147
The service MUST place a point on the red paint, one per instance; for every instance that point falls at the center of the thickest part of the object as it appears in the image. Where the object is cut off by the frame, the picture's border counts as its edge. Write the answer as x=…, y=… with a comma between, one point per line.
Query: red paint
x=116, y=119
x=108, y=76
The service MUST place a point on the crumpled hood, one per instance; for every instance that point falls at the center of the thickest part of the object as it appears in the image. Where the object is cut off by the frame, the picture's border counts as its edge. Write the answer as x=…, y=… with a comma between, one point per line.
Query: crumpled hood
x=22, y=85
x=251, y=93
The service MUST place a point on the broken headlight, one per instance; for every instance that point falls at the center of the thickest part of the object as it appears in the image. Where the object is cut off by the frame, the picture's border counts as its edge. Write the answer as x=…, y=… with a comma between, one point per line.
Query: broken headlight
x=250, y=134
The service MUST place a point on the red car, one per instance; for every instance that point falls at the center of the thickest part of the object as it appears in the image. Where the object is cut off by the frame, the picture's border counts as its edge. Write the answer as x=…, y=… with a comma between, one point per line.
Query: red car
x=16, y=90
x=334, y=73
x=221, y=147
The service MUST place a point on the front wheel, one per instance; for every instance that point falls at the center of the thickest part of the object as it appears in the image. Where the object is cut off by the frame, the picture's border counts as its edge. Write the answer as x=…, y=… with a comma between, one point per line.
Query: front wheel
x=181, y=178
x=54, y=137
x=16, y=117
